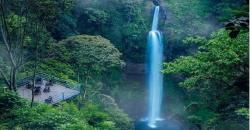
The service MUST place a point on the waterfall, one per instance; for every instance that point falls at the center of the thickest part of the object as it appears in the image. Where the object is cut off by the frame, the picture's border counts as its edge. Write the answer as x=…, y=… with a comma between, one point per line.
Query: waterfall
x=155, y=77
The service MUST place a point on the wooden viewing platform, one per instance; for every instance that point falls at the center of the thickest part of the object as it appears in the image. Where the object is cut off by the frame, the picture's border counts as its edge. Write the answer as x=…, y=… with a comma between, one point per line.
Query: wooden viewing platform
x=58, y=91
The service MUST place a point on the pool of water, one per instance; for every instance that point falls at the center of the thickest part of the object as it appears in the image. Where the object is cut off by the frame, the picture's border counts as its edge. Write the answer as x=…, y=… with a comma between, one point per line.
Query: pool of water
x=162, y=125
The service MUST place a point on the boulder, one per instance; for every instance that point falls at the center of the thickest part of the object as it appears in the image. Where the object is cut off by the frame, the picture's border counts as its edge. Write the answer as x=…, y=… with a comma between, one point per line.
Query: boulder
x=234, y=25
x=156, y=2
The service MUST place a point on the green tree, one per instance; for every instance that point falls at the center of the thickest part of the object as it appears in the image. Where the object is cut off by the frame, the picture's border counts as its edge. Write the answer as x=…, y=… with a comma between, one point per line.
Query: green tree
x=22, y=34
x=217, y=75
x=121, y=21
x=56, y=16
x=93, y=57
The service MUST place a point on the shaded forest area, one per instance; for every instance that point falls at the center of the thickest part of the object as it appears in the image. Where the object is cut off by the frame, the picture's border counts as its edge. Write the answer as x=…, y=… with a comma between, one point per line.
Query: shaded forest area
x=94, y=43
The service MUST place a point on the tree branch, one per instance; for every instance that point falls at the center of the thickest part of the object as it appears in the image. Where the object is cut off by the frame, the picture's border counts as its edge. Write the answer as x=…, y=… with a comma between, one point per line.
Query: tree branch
x=7, y=47
x=5, y=77
x=5, y=40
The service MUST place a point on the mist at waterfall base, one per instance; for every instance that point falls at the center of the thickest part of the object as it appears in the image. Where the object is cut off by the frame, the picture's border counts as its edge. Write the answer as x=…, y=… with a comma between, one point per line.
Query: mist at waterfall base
x=155, y=82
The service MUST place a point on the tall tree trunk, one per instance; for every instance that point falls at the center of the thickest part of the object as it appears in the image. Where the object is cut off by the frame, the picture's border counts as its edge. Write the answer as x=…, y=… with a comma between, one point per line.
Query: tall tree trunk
x=14, y=79
x=78, y=75
x=33, y=86
x=35, y=66
x=15, y=57
x=85, y=90
x=11, y=78
x=86, y=84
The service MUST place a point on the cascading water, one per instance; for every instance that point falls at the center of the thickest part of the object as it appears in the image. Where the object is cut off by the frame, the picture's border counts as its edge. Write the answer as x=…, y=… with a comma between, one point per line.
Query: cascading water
x=155, y=77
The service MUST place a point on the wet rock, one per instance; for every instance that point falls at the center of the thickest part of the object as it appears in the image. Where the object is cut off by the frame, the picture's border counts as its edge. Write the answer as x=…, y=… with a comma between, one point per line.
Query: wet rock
x=235, y=25
x=156, y=2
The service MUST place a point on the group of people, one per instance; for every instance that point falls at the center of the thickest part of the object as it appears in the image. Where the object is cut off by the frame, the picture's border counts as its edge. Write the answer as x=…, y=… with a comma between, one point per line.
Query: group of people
x=38, y=86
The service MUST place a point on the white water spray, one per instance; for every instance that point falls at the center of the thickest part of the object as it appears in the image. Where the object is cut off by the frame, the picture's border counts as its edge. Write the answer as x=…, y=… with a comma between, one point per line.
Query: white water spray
x=155, y=77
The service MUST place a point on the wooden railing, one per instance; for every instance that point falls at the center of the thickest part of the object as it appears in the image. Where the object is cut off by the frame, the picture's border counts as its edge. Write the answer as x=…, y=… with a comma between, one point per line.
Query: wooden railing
x=25, y=81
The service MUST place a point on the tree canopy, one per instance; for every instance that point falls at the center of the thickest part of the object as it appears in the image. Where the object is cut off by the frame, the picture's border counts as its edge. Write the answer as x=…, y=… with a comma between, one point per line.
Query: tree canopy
x=90, y=55
x=218, y=71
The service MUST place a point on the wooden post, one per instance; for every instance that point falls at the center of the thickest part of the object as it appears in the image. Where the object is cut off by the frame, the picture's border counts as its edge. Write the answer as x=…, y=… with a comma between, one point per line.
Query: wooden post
x=63, y=95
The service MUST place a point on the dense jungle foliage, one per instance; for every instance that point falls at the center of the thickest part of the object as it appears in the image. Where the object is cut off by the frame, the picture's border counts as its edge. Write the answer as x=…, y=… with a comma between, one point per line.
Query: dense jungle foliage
x=93, y=43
